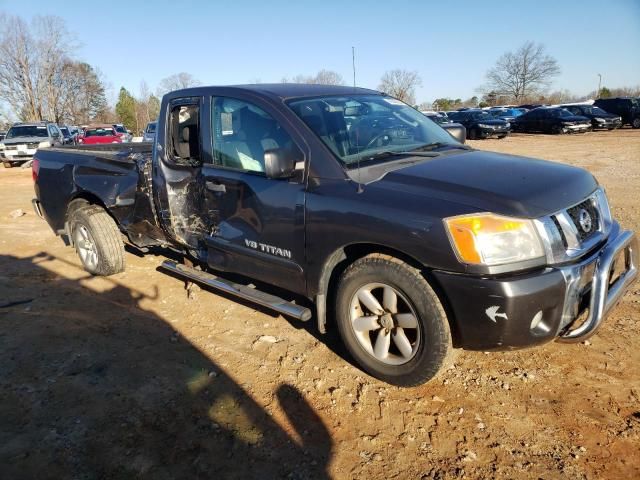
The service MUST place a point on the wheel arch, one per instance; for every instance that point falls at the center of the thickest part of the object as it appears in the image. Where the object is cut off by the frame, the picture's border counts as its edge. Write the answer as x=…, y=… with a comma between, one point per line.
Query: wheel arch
x=342, y=257
x=79, y=200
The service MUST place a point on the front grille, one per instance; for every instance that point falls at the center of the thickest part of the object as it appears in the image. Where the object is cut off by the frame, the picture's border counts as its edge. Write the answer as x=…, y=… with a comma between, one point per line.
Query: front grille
x=11, y=147
x=586, y=219
x=562, y=236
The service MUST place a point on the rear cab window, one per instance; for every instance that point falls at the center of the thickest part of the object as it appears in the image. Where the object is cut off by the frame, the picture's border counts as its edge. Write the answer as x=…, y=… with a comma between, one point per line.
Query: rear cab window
x=184, y=132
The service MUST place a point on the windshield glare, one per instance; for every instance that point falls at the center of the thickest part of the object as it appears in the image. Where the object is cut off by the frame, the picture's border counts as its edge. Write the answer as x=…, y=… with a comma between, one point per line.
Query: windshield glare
x=120, y=129
x=27, y=131
x=151, y=128
x=359, y=126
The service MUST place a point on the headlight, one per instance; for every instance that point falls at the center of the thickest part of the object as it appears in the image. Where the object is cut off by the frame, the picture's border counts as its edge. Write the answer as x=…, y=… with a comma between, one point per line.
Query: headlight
x=2, y=147
x=508, y=125
x=489, y=239
x=600, y=120
x=484, y=125
x=44, y=144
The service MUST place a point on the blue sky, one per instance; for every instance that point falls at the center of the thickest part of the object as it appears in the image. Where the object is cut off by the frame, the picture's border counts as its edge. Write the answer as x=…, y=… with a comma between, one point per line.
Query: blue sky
x=451, y=44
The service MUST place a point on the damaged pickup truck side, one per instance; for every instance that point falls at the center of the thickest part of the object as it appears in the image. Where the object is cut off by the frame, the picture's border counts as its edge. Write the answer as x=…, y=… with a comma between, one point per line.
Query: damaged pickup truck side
x=355, y=205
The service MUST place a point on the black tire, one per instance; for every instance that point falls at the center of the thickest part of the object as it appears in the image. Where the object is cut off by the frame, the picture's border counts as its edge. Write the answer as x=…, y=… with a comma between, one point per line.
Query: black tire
x=502, y=136
x=106, y=238
x=7, y=164
x=635, y=123
x=556, y=130
x=473, y=134
x=435, y=337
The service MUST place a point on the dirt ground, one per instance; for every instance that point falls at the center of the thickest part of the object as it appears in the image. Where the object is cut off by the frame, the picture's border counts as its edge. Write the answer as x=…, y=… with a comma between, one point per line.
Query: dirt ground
x=126, y=377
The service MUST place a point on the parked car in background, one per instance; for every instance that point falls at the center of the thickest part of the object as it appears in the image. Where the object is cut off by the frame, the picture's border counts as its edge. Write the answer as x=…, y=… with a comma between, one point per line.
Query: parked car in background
x=481, y=124
x=69, y=138
x=506, y=114
x=95, y=134
x=150, y=132
x=554, y=120
x=122, y=132
x=456, y=130
x=599, y=118
x=532, y=106
x=23, y=139
x=627, y=107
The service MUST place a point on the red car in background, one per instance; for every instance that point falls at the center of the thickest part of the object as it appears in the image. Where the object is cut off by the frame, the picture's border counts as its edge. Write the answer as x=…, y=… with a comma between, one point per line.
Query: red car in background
x=95, y=134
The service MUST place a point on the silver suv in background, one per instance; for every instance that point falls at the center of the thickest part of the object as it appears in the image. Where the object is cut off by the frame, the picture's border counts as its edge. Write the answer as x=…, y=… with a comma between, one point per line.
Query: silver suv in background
x=23, y=139
x=150, y=132
x=122, y=132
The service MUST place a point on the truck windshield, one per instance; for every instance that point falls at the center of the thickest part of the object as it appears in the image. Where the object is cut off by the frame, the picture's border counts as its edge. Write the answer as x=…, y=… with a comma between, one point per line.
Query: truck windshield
x=151, y=128
x=358, y=127
x=27, y=131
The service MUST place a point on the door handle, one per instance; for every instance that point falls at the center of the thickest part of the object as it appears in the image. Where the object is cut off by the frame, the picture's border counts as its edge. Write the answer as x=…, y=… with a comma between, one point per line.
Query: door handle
x=216, y=187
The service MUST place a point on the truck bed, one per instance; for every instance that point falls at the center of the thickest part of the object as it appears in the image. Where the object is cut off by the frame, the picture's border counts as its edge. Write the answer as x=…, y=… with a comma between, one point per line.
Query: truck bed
x=116, y=176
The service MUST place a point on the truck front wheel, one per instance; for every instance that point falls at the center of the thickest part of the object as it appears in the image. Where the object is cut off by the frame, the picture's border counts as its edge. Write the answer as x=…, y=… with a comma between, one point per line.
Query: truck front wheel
x=391, y=320
x=97, y=240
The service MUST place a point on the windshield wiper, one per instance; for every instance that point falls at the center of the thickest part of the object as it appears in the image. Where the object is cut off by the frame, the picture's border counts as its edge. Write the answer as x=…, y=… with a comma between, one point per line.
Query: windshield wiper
x=391, y=153
x=434, y=145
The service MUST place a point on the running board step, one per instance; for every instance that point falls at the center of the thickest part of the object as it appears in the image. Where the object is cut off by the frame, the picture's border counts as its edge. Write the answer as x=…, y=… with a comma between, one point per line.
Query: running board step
x=251, y=294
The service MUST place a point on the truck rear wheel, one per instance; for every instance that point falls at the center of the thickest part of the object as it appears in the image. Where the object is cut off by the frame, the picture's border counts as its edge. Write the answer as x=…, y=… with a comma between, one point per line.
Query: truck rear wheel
x=7, y=164
x=97, y=240
x=391, y=320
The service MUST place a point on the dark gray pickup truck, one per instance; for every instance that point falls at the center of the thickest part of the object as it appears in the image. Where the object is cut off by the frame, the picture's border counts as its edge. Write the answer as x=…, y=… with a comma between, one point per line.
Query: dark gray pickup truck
x=349, y=206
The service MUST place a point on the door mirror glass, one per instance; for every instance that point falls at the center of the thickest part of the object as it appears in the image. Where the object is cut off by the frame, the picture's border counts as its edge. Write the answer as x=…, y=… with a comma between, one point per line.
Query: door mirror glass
x=279, y=163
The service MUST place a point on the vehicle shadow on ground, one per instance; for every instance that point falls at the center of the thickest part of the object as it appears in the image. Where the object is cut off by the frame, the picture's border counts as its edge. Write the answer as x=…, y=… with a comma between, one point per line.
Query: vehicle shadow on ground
x=94, y=386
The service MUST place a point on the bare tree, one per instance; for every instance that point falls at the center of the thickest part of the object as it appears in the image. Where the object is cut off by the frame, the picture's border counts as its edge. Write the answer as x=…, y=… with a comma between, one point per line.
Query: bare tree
x=323, y=77
x=522, y=73
x=38, y=79
x=177, y=81
x=401, y=84
x=147, y=107
x=328, y=77
x=18, y=74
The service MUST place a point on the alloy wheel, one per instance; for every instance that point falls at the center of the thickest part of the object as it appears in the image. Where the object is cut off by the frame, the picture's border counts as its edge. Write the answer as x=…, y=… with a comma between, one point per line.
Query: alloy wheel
x=385, y=323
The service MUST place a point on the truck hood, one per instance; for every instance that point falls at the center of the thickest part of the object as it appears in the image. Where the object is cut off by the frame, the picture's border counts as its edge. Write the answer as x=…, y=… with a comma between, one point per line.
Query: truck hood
x=492, y=182
x=23, y=140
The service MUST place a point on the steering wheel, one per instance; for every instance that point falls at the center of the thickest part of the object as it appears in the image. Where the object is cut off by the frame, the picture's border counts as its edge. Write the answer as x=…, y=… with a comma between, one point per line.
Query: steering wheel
x=384, y=136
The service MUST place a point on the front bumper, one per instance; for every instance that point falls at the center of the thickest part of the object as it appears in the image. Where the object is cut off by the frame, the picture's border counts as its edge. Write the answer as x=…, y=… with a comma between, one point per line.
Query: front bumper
x=607, y=125
x=17, y=155
x=582, y=127
x=493, y=132
x=518, y=311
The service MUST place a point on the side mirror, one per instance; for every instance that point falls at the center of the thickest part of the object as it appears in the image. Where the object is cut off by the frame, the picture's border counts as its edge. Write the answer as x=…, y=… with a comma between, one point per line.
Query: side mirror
x=279, y=163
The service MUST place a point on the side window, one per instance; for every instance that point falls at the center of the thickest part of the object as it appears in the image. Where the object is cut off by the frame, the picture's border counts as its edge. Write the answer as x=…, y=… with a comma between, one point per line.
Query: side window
x=52, y=131
x=242, y=132
x=184, y=134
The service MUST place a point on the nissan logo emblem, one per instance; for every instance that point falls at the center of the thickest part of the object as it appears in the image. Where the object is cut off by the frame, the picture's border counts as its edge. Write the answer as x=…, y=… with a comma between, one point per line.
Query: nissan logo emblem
x=585, y=220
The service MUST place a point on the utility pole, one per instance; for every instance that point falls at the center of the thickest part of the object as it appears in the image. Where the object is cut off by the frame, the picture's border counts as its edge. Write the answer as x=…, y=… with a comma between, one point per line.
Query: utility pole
x=353, y=62
x=599, y=84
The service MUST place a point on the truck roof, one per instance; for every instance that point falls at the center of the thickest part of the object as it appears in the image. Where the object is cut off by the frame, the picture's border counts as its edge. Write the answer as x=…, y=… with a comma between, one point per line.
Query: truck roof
x=283, y=91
